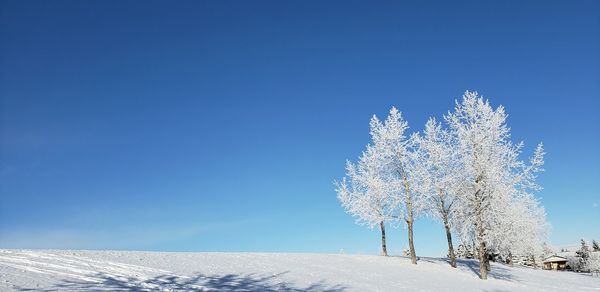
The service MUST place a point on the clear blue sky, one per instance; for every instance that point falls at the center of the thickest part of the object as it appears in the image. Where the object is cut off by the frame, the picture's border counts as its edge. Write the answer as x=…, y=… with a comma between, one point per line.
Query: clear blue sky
x=221, y=125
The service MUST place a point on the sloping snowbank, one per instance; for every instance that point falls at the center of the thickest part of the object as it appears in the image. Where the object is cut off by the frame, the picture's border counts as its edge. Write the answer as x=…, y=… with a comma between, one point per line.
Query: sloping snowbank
x=57, y=270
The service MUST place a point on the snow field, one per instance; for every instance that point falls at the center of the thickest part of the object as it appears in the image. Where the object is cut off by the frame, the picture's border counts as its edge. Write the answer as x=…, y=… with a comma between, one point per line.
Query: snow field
x=70, y=270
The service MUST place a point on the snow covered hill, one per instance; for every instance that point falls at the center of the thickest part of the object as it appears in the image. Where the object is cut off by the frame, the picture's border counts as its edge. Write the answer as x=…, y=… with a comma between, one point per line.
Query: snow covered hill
x=70, y=270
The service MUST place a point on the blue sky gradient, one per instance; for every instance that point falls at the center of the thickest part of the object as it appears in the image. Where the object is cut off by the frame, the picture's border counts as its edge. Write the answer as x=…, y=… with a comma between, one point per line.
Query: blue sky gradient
x=221, y=125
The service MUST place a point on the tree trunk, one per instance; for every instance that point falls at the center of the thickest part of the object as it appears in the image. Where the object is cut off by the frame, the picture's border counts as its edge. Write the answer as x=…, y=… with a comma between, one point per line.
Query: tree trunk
x=487, y=261
x=484, y=262
x=383, y=246
x=450, y=246
x=411, y=245
x=409, y=222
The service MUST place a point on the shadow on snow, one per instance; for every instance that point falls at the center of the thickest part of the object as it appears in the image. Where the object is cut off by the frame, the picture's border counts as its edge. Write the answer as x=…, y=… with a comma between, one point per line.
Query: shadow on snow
x=498, y=271
x=199, y=282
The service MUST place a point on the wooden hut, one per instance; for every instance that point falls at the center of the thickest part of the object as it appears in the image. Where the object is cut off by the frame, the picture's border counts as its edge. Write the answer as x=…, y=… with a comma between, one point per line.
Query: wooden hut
x=555, y=263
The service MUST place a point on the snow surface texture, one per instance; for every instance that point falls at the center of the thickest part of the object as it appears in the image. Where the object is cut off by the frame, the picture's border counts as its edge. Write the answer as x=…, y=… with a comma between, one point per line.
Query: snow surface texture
x=70, y=270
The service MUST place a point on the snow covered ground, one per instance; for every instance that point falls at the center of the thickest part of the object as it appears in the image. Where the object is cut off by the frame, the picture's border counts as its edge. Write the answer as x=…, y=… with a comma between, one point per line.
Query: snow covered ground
x=70, y=270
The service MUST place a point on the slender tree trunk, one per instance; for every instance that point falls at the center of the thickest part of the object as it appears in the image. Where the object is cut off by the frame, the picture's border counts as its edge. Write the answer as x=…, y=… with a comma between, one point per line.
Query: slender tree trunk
x=411, y=245
x=483, y=261
x=450, y=246
x=383, y=246
x=484, y=264
x=409, y=222
x=483, y=255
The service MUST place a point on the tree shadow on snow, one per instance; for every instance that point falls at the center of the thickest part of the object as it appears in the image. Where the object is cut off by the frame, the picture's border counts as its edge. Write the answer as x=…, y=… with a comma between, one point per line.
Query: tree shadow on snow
x=199, y=282
x=497, y=270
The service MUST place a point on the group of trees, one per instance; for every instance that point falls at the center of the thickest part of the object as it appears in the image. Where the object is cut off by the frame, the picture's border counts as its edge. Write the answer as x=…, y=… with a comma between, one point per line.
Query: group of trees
x=586, y=259
x=464, y=173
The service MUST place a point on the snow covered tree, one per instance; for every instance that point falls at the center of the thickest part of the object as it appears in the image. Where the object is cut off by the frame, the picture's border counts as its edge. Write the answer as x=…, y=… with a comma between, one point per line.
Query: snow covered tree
x=367, y=198
x=573, y=263
x=583, y=255
x=496, y=182
x=439, y=177
x=595, y=246
x=400, y=154
x=593, y=264
x=524, y=230
x=381, y=186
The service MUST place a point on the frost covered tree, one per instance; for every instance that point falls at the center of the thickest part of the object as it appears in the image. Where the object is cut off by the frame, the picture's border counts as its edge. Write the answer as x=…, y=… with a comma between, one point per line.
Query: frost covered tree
x=380, y=187
x=593, y=264
x=496, y=183
x=400, y=153
x=595, y=246
x=524, y=230
x=583, y=255
x=439, y=178
x=365, y=195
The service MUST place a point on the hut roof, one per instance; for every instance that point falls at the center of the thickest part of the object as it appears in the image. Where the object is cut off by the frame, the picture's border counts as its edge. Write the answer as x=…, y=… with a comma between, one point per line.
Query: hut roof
x=555, y=258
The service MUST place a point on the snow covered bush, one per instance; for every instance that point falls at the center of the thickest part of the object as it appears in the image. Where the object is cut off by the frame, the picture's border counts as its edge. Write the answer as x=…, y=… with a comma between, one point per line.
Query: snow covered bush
x=465, y=252
x=593, y=264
